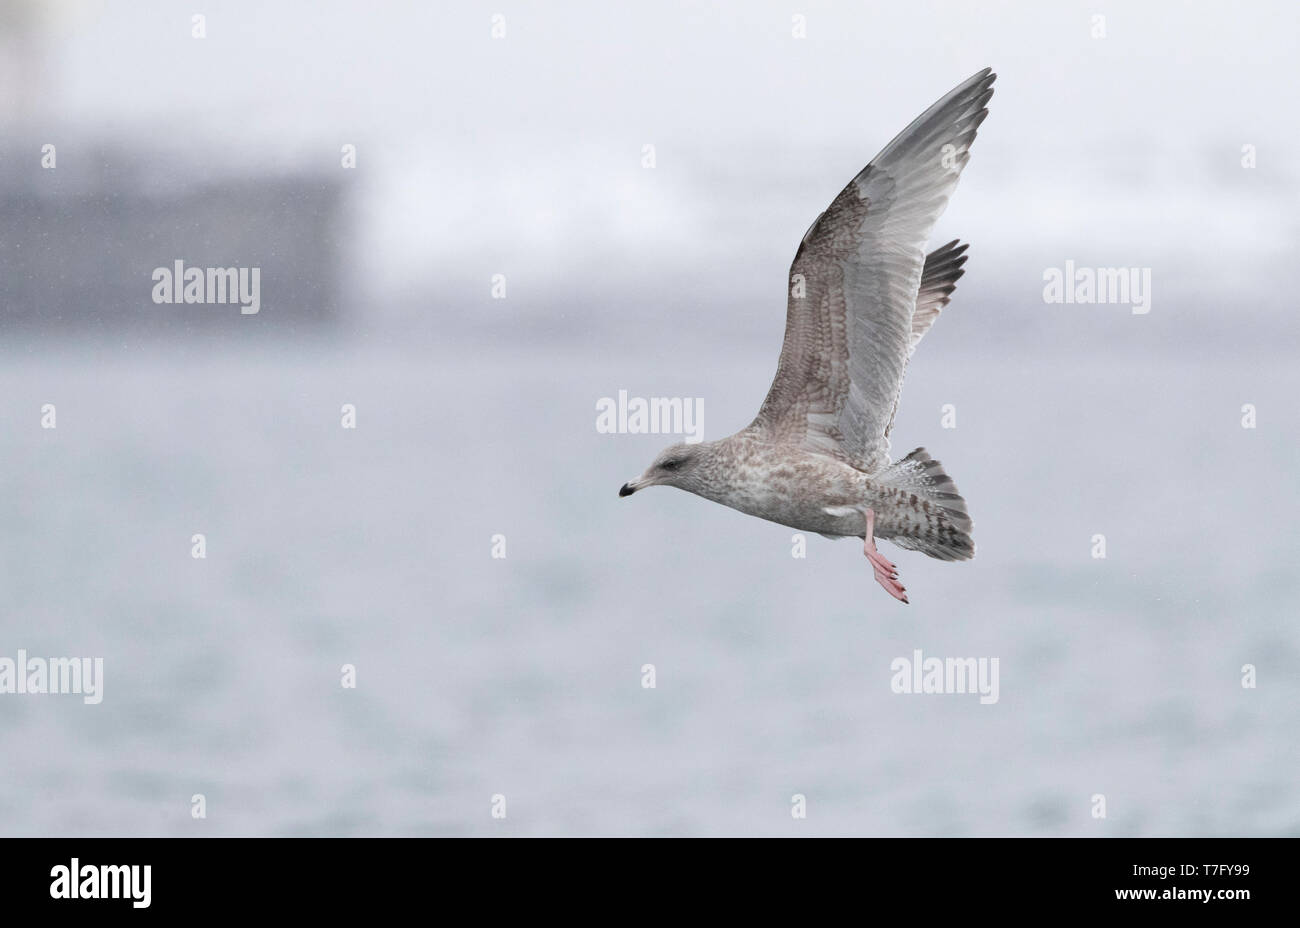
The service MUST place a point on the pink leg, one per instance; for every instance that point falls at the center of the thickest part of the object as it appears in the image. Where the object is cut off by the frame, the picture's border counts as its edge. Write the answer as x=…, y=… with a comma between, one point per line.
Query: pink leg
x=886, y=572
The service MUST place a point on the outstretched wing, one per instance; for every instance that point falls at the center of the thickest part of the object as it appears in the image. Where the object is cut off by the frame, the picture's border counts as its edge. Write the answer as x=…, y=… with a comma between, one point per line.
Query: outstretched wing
x=854, y=285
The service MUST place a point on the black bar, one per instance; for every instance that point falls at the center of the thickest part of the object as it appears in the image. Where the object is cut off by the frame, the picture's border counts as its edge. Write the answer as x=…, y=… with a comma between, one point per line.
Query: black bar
x=374, y=875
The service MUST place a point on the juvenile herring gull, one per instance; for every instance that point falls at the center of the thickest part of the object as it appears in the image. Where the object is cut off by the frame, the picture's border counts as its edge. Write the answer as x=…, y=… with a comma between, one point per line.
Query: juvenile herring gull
x=862, y=294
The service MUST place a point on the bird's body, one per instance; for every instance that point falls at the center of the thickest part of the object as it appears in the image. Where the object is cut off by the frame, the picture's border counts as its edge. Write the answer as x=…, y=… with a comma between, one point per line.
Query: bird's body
x=817, y=493
x=862, y=294
x=804, y=491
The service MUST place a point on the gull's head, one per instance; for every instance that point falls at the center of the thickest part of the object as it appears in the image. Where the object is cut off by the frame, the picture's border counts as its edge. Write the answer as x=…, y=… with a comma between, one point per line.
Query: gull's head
x=680, y=465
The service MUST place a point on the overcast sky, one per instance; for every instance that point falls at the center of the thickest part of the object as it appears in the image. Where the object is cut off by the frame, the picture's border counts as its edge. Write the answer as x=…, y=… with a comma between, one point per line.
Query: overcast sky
x=522, y=154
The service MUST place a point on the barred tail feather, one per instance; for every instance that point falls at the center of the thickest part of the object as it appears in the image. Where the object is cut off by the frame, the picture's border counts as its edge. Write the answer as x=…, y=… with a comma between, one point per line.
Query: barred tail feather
x=941, y=526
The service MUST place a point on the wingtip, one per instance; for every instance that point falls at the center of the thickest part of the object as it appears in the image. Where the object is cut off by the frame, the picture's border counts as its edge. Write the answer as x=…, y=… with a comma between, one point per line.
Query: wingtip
x=983, y=78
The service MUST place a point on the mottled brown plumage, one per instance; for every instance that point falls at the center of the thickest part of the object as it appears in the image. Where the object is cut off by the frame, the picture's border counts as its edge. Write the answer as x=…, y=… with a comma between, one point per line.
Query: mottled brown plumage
x=862, y=294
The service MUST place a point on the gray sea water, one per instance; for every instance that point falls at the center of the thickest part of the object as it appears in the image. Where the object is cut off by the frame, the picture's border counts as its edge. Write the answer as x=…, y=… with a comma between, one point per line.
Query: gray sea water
x=521, y=676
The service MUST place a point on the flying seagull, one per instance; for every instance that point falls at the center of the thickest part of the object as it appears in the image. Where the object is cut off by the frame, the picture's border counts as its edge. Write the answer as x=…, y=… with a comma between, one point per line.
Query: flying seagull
x=862, y=294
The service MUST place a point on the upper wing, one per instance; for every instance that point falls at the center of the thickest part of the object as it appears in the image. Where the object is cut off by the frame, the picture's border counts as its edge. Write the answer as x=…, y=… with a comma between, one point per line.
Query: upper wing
x=854, y=284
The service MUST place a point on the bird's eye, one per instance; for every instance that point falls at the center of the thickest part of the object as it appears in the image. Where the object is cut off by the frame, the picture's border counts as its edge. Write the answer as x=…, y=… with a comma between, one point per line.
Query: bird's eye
x=673, y=464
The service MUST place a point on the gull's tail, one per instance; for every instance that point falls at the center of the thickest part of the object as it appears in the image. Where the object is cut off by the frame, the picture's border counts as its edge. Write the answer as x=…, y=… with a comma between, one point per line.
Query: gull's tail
x=931, y=516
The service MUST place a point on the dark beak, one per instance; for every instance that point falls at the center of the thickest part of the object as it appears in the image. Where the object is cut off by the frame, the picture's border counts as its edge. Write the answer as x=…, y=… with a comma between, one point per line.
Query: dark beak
x=626, y=490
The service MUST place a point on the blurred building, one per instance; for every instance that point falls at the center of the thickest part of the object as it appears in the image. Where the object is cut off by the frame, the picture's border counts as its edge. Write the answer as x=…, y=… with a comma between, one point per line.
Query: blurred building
x=87, y=220
x=78, y=248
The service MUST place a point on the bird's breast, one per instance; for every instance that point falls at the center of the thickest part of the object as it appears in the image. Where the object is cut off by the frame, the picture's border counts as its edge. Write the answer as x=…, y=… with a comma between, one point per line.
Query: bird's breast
x=807, y=492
